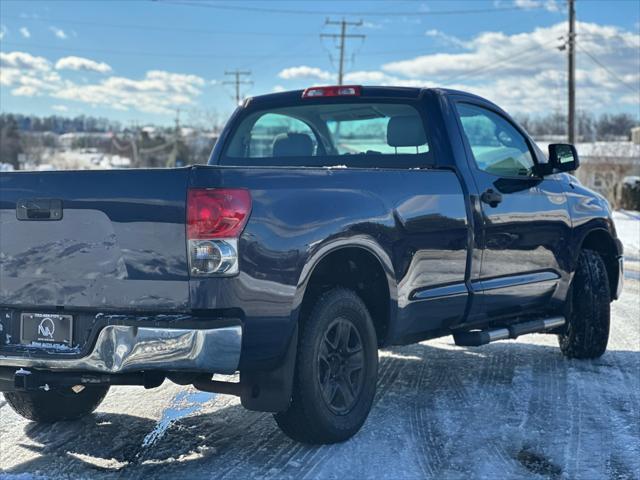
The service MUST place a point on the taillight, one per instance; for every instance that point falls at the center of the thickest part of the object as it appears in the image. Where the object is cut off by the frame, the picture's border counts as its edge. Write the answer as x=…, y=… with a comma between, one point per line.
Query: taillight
x=334, y=91
x=215, y=220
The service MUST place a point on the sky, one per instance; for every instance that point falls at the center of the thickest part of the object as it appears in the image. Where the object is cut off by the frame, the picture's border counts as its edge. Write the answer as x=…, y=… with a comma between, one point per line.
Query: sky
x=140, y=61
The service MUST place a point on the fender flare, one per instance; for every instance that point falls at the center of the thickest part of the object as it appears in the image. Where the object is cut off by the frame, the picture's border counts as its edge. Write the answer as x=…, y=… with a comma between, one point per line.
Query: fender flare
x=361, y=241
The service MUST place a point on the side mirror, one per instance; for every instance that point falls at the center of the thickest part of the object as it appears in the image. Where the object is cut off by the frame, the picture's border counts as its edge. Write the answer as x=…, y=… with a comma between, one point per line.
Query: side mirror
x=563, y=157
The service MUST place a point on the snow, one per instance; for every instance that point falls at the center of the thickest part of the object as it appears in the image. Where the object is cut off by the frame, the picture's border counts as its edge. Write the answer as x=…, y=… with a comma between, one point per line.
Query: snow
x=511, y=409
x=628, y=228
x=184, y=404
x=631, y=180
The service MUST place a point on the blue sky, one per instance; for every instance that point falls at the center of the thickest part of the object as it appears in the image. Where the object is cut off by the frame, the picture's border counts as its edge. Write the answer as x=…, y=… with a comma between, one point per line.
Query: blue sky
x=140, y=60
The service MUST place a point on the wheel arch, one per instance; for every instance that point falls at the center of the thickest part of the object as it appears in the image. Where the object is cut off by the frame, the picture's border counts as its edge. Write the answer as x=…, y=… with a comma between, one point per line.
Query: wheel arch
x=348, y=263
x=601, y=241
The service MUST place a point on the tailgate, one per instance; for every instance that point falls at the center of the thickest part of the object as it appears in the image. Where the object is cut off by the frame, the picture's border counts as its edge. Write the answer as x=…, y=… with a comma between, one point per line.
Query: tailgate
x=118, y=241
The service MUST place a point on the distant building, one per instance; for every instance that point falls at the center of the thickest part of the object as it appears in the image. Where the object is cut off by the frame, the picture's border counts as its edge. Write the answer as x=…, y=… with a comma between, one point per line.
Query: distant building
x=72, y=140
x=604, y=166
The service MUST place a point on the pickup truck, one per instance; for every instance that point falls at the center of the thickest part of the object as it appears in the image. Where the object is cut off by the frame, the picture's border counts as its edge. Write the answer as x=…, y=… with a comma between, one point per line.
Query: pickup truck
x=328, y=223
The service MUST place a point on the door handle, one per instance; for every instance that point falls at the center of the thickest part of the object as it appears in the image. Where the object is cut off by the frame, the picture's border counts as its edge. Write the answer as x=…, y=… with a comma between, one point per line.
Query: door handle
x=39, y=209
x=491, y=197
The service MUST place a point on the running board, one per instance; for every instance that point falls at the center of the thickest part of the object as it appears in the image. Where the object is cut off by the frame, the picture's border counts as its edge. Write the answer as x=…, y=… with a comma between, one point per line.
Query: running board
x=476, y=338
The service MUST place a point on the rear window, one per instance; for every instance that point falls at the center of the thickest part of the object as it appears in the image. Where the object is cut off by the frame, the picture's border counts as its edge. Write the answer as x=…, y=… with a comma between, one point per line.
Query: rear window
x=343, y=130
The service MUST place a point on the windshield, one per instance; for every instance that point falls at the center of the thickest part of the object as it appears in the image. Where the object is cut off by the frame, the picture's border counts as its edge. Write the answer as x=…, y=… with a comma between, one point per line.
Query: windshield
x=329, y=130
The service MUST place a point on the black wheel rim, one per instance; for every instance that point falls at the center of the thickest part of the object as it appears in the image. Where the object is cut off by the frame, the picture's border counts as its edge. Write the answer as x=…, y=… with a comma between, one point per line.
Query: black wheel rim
x=341, y=366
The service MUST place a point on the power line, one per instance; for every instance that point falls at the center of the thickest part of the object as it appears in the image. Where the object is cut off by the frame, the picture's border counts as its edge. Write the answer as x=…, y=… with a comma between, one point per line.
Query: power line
x=538, y=48
x=342, y=36
x=351, y=13
x=164, y=28
x=237, y=81
x=204, y=31
x=128, y=52
x=279, y=53
x=607, y=69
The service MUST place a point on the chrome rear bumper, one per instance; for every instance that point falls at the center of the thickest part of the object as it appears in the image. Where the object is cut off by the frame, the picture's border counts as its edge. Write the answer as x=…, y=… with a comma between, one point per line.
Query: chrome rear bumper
x=121, y=349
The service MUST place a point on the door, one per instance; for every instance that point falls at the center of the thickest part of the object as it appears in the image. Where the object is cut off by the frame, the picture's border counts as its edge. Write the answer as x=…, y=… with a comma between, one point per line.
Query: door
x=525, y=221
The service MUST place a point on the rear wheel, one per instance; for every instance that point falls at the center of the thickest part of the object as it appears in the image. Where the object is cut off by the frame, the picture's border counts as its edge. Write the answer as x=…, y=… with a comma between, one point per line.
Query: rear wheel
x=336, y=371
x=56, y=405
x=587, y=331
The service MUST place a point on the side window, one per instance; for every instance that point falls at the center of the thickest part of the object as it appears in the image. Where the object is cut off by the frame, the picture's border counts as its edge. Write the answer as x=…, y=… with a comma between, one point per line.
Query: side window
x=498, y=148
x=280, y=135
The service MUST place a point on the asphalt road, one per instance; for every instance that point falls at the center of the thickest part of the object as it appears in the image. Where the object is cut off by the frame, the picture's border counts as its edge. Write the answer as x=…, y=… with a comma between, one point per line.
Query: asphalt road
x=512, y=409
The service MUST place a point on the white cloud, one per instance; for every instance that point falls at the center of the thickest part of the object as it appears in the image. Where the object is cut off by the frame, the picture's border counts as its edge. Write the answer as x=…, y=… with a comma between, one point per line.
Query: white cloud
x=60, y=108
x=58, y=32
x=23, y=61
x=375, y=77
x=157, y=92
x=521, y=54
x=25, y=91
x=278, y=88
x=549, y=5
x=24, y=31
x=80, y=63
x=372, y=25
x=446, y=39
x=3, y=31
x=304, y=71
x=525, y=71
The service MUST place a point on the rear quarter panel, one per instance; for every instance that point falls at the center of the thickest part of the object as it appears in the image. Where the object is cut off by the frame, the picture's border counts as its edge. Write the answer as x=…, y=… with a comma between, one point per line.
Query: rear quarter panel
x=414, y=221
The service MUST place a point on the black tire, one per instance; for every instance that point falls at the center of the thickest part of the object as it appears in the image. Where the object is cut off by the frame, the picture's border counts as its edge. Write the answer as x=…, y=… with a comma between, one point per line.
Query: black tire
x=587, y=331
x=332, y=395
x=56, y=405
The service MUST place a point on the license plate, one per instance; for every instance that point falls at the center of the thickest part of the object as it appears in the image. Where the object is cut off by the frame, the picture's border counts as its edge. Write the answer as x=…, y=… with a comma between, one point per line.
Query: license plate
x=46, y=329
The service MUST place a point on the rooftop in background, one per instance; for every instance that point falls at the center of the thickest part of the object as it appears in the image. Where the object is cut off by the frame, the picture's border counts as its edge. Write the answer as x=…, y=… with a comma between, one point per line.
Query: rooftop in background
x=602, y=152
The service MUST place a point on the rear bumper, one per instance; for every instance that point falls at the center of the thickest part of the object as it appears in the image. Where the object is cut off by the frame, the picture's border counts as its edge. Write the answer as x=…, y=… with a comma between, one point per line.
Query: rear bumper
x=120, y=348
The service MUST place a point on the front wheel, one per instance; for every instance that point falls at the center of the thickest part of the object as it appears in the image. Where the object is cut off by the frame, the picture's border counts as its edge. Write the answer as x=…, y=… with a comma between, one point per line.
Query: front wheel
x=336, y=371
x=56, y=405
x=587, y=332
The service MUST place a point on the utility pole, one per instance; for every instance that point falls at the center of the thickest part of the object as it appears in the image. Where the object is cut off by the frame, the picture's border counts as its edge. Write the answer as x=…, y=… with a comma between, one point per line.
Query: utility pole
x=571, y=133
x=342, y=36
x=172, y=159
x=237, y=81
x=134, y=144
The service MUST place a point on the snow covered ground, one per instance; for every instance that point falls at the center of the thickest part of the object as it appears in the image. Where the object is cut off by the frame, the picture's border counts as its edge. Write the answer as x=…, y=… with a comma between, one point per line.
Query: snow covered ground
x=628, y=228
x=513, y=409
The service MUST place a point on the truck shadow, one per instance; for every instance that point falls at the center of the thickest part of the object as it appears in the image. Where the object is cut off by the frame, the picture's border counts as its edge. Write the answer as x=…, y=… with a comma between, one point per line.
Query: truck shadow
x=432, y=404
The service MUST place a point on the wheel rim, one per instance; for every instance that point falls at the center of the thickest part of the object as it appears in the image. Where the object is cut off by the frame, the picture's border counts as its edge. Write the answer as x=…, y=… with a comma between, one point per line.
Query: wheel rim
x=341, y=366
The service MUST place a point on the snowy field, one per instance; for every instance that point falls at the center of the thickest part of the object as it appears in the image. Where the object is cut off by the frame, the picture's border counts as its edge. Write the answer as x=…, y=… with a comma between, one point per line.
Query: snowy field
x=513, y=409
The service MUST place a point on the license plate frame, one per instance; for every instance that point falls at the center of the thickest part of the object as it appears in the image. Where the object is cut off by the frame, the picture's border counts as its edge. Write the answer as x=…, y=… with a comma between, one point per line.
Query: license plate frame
x=46, y=330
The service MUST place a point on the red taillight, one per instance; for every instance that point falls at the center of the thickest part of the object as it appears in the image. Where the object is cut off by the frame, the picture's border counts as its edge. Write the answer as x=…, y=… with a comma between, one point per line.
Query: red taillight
x=217, y=213
x=334, y=91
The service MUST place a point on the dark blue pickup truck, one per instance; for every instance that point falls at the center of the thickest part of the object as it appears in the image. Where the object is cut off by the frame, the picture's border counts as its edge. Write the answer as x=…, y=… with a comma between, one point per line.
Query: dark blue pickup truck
x=329, y=223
